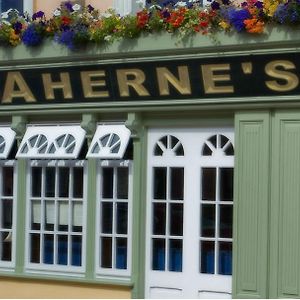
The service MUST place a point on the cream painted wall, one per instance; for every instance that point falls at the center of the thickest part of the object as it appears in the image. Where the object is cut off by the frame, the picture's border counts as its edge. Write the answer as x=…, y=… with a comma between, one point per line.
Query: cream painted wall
x=41, y=289
x=102, y=5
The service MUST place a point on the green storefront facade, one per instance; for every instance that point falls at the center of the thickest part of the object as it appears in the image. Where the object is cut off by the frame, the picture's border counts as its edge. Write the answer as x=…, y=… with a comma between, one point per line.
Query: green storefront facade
x=242, y=91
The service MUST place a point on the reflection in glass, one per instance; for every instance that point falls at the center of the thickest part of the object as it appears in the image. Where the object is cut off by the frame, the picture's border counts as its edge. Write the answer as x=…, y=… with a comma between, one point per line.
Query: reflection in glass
x=158, y=254
x=76, y=250
x=225, y=258
x=48, y=249
x=207, y=253
x=62, y=254
x=175, y=255
x=121, y=252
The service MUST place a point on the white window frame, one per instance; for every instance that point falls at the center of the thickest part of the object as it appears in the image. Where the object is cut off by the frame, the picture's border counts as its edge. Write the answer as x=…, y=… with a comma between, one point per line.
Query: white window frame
x=51, y=133
x=55, y=268
x=9, y=137
x=123, y=134
x=123, y=7
x=9, y=265
x=104, y=272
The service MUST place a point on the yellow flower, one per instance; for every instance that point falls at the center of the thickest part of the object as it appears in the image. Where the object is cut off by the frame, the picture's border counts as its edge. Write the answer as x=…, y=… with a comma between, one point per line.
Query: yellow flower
x=14, y=39
x=224, y=25
x=270, y=7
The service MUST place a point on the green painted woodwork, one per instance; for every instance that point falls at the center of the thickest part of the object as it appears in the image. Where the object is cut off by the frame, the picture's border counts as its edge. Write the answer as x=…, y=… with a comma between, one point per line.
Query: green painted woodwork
x=91, y=218
x=251, y=198
x=21, y=215
x=285, y=207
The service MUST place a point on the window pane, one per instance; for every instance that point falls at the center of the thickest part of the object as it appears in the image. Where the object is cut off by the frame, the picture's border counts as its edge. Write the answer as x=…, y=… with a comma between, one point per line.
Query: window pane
x=159, y=218
x=35, y=214
x=62, y=255
x=35, y=248
x=106, y=217
x=36, y=182
x=48, y=248
x=6, y=5
x=208, y=184
x=77, y=214
x=8, y=173
x=107, y=182
x=121, y=259
x=158, y=254
x=175, y=256
x=63, y=180
x=106, y=252
x=76, y=250
x=207, y=257
x=49, y=215
x=77, y=182
x=176, y=219
x=226, y=221
x=225, y=258
x=63, y=215
x=7, y=209
x=122, y=218
x=160, y=183
x=177, y=183
x=6, y=246
x=50, y=182
x=226, y=184
x=208, y=220
x=122, y=187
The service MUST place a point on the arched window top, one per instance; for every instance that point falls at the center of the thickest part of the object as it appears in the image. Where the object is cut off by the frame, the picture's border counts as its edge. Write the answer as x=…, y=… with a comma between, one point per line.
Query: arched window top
x=56, y=142
x=109, y=142
x=7, y=137
x=218, y=143
x=168, y=145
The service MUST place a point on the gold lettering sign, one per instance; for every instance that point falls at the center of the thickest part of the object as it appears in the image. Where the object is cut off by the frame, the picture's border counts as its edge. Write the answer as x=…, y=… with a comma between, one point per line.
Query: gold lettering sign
x=88, y=84
x=291, y=80
x=16, y=79
x=165, y=77
x=64, y=84
x=137, y=82
x=210, y=78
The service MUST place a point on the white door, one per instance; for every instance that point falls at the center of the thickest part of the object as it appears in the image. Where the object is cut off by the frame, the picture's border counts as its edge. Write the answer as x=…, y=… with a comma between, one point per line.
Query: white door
x=189, y=213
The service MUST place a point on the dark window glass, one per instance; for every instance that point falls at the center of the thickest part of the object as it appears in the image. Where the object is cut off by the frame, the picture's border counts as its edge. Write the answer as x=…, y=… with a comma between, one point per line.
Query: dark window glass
x=76, y=250
x=106, y=251
x=106, y=217
x=158, y=254
x=78, y=182
x=62, y=248
x=206, y=151
x=7, y=4
x=226, y=184
x=208, y=184
x=107, y=183
x=48, y=249
x=176, y=219
x=122, y=218
x=6, y=239
x=177, y=183
x=207, y=257
x=8, y=181
x=225, y=258
x=63, y=180
x=226, y=221
x=36, y=183
x=122, y=183
x=159, y=218
x=208, y=221
x=121, y=252
x=224, y=140
x=158, y=151
x=160, y=183
x=34, y=248
x=229, y=150
x=175, y=256
x=50, y=182
x=179, y=151
x=7, y=208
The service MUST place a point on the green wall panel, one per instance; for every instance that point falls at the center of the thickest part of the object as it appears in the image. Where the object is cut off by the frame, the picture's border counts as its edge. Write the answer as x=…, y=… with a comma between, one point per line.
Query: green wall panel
x=285, y=207
x=251, y=205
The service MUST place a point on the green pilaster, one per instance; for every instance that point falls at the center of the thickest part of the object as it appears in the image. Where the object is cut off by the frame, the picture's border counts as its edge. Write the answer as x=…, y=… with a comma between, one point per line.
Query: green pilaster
x=139, y=205
x=21, y=215
x=91, y=219
x=251, y=200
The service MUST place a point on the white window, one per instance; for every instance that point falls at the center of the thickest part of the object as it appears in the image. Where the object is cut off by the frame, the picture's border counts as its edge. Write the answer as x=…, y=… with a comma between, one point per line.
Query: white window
x=109, y=142
x=7, y=138
x=123, y=7
x=56, y=210
x=114, y=217
x=20, y=5
x=51, y=142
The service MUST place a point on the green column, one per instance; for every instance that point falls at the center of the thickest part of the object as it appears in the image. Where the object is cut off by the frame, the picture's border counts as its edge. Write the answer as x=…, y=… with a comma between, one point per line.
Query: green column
x=251, y=200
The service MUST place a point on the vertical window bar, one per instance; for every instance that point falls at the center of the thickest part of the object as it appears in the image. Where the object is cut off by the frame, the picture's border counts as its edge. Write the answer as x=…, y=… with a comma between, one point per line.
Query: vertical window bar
x=217, y=213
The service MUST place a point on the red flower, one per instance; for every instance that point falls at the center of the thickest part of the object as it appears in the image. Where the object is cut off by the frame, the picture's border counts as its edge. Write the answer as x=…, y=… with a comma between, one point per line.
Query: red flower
x=65, y=20
x=142, y=19
x=177, y=17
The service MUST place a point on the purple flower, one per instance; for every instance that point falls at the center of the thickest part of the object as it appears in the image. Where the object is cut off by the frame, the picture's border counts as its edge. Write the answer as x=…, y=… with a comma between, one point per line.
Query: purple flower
x=226, y=2
x=281, y=14
x=215, y=5
x=32, y=36
x=90, y=8
x=69, y=6
x=66, y=38
x=17, y=27
x=165, y=13
x=37, y=15
x=259, y=4
x=237, y=18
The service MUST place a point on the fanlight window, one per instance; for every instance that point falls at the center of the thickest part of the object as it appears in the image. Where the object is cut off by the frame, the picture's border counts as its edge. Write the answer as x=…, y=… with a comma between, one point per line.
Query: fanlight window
x=52, y=142
x=168, y=144
x=7, y=137
x=110, y=141
x=218, y=143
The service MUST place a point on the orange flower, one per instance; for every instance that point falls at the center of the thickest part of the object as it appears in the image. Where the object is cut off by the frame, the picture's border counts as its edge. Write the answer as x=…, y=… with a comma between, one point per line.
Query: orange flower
x=254, y=25
x=177, y=17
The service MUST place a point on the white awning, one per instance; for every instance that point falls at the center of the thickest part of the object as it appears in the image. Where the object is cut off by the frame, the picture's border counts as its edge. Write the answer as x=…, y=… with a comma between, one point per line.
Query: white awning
x=7, y=138
x=51, y=142
x=109, y=142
